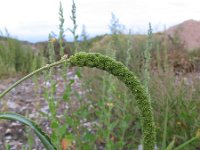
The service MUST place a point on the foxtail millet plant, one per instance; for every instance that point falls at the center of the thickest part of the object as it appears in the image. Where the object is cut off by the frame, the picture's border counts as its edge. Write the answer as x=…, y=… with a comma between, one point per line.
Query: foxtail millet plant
x=117, y=69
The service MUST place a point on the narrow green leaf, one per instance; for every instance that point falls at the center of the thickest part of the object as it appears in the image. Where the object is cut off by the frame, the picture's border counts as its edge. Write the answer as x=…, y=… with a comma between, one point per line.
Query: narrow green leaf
x=171, y=145
x=185, y=144
x=41, y=135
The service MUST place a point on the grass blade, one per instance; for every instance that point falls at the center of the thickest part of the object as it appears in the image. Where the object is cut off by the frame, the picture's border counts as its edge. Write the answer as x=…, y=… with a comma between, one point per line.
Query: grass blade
x=41, y=135
x=171, y=145
x=187, y=143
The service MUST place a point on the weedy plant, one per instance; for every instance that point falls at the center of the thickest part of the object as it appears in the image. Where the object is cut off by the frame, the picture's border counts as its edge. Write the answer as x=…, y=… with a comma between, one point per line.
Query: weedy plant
x=74, y=29
x=115, y=68
x=58, y=135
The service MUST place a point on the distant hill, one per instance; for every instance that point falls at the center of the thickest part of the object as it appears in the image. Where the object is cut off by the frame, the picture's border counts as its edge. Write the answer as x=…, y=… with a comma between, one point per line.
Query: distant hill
x=188, y=32
x=4, y=38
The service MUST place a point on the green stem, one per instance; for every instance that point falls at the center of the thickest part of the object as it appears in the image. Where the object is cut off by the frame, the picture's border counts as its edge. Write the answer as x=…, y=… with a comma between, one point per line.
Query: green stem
x=30, y=75
x=123, y=74
x=164, y=140
x=187, y=143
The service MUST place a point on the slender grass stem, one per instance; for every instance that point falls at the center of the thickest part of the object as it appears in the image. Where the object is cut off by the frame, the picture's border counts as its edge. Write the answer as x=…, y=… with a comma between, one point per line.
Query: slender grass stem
x=187, y=143
x=31, y=74
x=164, y=140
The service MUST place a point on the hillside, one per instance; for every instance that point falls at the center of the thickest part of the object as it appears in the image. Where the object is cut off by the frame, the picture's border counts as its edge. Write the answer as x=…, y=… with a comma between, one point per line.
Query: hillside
x=188, y=32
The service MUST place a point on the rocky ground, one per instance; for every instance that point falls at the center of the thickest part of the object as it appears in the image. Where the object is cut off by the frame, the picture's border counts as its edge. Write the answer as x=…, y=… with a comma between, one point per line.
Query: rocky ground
x=26, y=99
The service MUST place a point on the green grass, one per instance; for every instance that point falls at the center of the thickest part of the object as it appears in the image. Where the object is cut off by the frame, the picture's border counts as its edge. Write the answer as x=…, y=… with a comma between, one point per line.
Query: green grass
x=16, y=57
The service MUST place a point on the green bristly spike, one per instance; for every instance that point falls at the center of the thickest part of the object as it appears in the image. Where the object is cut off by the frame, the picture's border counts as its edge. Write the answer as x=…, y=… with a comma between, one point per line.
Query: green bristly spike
x=123, y=74
x=131, y=81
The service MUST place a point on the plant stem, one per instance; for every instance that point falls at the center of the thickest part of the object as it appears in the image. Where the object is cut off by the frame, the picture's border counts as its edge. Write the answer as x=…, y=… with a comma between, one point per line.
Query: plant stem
x=147, y=57
x=186, y=143
x=30, y=75
x=164, y=140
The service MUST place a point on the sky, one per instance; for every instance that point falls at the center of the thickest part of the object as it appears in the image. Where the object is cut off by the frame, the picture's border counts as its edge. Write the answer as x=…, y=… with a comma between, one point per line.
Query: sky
x=33, y=20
